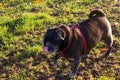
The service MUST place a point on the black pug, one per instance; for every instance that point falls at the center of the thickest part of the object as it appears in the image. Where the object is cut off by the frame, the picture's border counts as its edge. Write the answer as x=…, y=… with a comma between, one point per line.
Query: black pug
x=77, y=41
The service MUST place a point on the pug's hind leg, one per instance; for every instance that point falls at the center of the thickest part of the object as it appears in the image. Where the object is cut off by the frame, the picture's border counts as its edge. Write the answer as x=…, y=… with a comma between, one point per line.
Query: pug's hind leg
x=109, y=42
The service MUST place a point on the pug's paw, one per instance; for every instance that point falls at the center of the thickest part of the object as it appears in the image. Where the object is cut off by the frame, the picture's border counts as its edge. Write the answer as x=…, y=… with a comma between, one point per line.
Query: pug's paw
x=72, y=75
x=56, y=65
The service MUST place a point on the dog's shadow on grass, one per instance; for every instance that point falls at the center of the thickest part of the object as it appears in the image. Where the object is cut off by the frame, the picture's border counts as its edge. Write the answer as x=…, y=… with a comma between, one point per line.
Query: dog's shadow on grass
x=88, y=65
x=61, y=74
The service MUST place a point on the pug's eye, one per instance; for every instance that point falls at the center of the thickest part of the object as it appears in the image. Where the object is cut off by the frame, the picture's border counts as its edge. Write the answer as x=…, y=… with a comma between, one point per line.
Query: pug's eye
x=58, y=38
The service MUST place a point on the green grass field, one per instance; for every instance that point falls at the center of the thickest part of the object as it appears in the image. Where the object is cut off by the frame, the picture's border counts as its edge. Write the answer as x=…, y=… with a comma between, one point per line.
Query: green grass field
x=22, y=27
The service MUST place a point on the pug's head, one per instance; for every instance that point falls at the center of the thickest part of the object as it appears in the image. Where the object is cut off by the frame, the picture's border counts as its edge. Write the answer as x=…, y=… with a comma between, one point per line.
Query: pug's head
x=53, y=40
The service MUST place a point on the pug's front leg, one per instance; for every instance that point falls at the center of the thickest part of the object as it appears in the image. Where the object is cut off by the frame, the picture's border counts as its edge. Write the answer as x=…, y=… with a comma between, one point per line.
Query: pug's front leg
x=74, y=71
x=57, y=56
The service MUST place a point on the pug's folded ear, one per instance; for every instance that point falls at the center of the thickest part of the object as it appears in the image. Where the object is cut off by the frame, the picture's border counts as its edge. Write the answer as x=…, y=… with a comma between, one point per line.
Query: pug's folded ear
x=61, y=34
x=62, y=37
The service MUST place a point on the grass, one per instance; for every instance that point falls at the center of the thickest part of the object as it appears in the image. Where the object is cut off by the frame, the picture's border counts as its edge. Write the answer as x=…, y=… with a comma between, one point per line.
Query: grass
x=22, y=27
x=105, y=78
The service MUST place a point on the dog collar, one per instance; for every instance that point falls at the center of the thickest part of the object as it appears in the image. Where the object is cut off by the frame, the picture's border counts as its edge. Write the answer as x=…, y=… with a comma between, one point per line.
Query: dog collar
x=83, y=39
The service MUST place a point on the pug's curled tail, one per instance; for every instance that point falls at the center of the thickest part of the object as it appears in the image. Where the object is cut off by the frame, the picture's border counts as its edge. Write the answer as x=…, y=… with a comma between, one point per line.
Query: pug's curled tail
x=97, y=13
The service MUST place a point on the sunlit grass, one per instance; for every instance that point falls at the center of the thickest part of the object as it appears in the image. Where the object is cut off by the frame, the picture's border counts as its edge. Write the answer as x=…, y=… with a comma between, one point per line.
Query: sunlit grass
x=106, y=78
x=22, y=27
